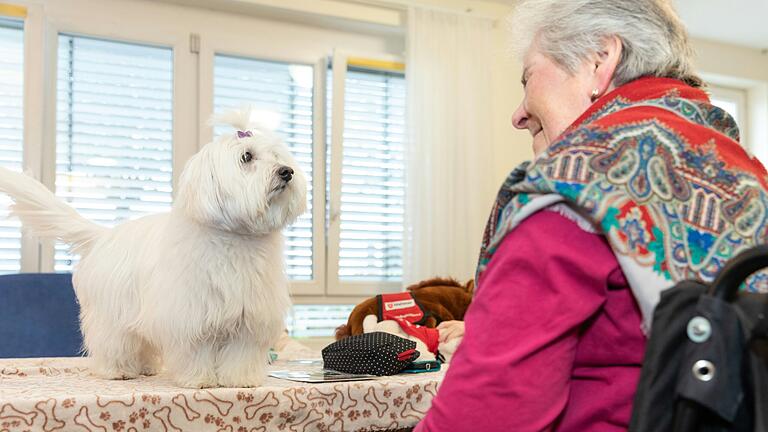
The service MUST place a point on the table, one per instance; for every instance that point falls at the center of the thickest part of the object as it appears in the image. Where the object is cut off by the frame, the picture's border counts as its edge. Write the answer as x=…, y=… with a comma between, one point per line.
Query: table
x=60, y=394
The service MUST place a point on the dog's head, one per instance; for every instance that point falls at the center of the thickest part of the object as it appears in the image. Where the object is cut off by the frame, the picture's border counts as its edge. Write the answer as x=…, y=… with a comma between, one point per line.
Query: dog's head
x=245, y=182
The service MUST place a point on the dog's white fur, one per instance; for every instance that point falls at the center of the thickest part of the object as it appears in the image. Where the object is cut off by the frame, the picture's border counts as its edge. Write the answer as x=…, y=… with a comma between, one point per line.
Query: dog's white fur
x=201, y=290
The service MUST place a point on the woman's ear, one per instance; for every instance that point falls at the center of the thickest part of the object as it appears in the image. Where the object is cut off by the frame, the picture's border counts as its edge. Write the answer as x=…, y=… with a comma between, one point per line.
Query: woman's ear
x=605, y=63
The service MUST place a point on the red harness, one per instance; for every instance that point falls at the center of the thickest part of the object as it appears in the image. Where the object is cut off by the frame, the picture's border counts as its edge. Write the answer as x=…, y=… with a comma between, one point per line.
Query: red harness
x=404, y=309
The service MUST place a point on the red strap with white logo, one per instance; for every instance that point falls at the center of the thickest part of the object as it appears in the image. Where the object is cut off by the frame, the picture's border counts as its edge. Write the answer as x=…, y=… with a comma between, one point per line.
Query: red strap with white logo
x=399, y=306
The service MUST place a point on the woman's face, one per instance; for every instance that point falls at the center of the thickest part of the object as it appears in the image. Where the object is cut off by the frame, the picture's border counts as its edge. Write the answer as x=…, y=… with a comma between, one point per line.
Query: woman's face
x=553, y=98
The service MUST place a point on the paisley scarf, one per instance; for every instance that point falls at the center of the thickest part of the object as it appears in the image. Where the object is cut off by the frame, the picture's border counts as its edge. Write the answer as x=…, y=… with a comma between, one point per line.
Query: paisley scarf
x=659, y=171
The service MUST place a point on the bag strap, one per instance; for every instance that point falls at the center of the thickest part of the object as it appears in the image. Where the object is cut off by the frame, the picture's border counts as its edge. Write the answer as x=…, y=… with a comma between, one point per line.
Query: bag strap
x=726, y=285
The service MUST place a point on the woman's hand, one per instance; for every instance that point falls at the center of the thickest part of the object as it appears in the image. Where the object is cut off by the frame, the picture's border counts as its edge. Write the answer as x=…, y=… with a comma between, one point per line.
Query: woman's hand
x=450, y=330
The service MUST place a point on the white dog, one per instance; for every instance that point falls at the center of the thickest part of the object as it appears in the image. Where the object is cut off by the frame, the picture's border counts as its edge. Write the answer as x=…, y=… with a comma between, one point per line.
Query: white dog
x=201, y=289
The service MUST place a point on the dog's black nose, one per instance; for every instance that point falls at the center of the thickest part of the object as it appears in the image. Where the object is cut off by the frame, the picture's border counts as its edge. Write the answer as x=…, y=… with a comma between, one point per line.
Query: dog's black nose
x=285, y=173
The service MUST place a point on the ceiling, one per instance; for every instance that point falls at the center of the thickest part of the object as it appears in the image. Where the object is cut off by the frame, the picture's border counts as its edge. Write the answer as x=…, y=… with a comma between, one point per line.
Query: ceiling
x=740, y=22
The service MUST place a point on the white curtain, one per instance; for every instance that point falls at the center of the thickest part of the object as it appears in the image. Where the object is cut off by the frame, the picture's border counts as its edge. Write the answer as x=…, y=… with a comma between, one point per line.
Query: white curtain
x=450, y=171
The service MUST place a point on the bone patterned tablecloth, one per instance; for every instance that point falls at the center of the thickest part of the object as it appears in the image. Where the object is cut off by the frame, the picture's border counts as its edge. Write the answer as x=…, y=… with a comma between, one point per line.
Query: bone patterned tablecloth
x=60, y=394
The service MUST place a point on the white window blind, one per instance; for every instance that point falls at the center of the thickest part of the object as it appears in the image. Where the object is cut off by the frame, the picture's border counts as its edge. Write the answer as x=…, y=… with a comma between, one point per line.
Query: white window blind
x=372, y=177
x=317, y=320
x=282, y=96
x=114, y=131
x=11, y=134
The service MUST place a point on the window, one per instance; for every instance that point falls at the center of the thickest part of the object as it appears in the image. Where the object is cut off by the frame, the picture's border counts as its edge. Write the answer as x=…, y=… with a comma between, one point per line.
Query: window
x=372, y=177
x=281, y=93
x=364, y=243
x=366, y=168
x=734, y=102
x=11, y=133
x=114, y=131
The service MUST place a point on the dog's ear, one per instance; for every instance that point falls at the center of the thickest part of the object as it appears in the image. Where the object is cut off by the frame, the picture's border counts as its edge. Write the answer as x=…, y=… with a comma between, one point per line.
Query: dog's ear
x=469, y=287
x=199, y=196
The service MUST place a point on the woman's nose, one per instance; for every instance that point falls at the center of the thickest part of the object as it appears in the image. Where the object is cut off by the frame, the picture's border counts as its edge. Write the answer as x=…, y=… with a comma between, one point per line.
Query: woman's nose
x=520, y=117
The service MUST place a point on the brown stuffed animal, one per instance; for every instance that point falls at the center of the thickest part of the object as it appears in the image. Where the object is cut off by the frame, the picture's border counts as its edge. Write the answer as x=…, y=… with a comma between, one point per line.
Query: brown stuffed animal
x=445, y=299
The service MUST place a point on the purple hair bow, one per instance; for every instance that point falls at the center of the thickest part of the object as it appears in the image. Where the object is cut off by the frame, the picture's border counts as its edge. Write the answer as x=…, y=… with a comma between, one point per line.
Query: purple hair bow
x=243, y=134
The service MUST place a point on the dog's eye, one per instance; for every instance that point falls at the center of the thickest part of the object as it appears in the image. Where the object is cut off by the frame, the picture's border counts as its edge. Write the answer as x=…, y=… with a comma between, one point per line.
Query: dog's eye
x=246, y=157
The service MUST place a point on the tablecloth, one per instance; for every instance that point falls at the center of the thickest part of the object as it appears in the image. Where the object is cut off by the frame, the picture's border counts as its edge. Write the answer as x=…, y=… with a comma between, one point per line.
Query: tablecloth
x=60, y=394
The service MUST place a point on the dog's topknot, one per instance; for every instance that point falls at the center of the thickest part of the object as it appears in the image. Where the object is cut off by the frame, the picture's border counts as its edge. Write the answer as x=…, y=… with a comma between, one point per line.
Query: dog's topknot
x=241, y=119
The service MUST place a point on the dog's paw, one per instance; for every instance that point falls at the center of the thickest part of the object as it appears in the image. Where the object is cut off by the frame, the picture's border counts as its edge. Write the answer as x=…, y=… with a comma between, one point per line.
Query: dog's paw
x=150, y=370
x=113, y=374
x=197, y=381
x=241, y=381
x=244, y=383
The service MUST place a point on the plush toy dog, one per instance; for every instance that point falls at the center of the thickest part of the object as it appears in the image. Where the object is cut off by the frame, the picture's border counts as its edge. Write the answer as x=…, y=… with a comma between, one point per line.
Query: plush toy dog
x=446, y=349
x=372, y=324
x=441, y=299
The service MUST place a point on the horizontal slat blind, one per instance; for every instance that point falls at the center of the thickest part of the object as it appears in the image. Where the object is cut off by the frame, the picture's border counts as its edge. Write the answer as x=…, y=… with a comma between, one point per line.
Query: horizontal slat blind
x=114, y=131
x=282, y=96
x=11, y=134
x=317, y=320
x=372, y=177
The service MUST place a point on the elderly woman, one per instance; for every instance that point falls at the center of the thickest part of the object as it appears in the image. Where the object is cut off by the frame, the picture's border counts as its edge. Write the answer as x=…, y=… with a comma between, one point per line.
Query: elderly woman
x=638, y=182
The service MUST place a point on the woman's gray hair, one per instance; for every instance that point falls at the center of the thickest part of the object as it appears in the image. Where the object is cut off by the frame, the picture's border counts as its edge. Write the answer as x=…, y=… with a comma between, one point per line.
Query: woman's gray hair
x=655, y=42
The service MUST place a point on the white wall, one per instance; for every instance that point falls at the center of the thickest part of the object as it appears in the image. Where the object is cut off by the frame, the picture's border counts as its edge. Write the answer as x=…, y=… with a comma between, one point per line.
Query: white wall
x=731, y=60
x=745, y=68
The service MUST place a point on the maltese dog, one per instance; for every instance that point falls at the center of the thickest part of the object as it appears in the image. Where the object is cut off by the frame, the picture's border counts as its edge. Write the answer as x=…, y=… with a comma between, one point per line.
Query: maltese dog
x=201, y=290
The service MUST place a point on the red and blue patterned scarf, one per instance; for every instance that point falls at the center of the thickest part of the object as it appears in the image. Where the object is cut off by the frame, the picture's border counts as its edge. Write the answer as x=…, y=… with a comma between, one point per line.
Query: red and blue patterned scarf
x=658, y=170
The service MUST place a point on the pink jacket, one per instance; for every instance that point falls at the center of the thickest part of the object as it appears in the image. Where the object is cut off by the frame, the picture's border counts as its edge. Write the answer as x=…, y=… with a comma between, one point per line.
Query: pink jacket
x=552, y=340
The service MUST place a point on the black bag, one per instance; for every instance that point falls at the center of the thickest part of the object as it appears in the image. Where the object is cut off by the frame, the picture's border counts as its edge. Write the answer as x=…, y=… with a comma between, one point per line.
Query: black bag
x=706, y=363
x=376, y=353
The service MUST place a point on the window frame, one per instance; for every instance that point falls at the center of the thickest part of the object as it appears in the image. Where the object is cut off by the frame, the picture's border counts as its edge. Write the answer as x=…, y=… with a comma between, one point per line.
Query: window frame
x=737, y=96
x=31, y=17
x=26, y=17
x=153, y=32
x=339, y=65
x=176, y=165
x=754, y=132
x=219, y=43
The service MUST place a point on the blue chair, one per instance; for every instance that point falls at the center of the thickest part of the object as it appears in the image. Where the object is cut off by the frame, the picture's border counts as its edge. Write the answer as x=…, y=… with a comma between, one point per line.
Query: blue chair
x=39, y=316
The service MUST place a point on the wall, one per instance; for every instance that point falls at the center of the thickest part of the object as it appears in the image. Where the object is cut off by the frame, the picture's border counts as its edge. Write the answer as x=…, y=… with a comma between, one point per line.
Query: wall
x=744, y=68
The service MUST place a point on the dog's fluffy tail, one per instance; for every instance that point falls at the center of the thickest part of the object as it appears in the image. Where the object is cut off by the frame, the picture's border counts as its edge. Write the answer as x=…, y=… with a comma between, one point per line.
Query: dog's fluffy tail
x=45, y=215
